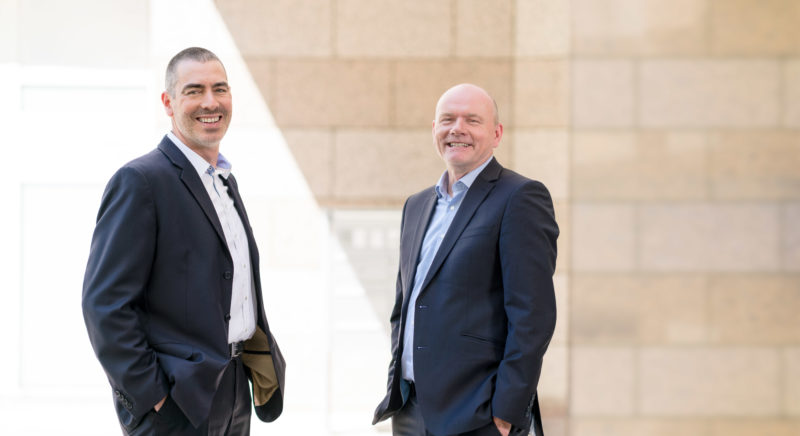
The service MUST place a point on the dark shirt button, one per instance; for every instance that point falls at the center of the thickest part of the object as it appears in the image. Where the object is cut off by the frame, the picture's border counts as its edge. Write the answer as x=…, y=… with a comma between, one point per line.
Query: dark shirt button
x=228, y=275
x=227, y=317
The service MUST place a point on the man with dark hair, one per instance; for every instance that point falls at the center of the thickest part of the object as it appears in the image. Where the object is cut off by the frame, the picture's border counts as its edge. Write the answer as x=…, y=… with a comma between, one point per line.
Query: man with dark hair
x=172, y=295
x=475, y=307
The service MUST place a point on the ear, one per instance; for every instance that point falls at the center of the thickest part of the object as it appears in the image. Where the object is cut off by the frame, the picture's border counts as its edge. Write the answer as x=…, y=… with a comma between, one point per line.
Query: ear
x=498, y=134
x=167, y=101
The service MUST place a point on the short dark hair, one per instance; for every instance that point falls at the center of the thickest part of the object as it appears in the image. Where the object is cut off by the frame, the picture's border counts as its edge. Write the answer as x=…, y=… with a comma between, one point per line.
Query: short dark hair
x=198, y=54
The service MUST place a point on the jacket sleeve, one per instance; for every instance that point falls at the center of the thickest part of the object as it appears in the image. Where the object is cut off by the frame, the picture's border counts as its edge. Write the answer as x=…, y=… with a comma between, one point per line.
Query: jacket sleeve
x=120, y=260
x=527, y=247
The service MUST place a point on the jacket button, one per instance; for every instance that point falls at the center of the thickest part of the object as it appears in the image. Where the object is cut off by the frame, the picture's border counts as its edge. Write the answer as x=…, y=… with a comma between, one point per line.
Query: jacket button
x=228, y=275
x=227, y=317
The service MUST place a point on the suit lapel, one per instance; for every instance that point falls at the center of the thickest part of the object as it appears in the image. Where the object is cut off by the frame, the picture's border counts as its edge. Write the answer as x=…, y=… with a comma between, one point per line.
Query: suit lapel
x=190, y=179
x=480, y=188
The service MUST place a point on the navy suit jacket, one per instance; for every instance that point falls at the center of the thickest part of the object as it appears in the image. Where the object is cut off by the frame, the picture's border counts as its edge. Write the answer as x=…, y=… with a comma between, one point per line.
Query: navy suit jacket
x=157, y=289
x=486, y=311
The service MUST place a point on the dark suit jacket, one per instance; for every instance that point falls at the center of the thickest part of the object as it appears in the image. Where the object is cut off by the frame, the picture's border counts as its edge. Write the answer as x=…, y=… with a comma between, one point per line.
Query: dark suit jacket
x=157, y=289
x=486, y=311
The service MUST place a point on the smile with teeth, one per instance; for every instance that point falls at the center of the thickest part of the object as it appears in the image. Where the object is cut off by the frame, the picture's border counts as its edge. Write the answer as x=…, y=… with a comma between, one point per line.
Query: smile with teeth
x=458, y=144
x=210, y=119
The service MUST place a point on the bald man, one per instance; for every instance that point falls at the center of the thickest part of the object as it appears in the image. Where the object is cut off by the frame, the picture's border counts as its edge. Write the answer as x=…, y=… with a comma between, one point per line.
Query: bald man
x=474, y=308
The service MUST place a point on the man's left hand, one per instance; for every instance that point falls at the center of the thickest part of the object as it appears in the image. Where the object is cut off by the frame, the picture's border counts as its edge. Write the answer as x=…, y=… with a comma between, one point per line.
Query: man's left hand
x=503, y=426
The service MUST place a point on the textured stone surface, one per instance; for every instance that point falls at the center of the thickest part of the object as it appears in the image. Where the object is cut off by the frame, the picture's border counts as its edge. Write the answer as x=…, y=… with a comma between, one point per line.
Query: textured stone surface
x=603, y=237
x=541, y=93
x=603, y=93
x=542, y=27
x=754, y=27
x=603, y=381
x=483, y=28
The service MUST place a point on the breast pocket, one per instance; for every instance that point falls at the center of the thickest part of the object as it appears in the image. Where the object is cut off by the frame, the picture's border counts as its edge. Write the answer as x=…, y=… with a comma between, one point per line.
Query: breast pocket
x=471, y=232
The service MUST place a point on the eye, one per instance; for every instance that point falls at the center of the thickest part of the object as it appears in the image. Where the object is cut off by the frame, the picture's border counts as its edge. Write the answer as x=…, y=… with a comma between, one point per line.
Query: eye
x=221, y=90
x=192, y=92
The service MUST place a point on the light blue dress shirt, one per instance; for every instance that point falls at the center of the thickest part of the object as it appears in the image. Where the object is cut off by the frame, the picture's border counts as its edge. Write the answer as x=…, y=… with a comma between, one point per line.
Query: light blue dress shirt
x=446, y=209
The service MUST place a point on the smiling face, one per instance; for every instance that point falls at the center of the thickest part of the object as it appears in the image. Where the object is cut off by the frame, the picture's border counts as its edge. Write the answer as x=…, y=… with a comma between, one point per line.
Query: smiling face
x=465, y=130
x=200, y=105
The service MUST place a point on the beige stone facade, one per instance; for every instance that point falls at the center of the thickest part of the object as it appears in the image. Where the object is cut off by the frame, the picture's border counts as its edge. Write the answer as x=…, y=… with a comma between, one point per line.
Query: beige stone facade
x=667, y=132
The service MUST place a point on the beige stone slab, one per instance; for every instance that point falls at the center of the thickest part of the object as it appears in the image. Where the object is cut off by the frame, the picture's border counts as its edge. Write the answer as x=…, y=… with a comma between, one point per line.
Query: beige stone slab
x=310, y=93
x=638, y=427
x=755, y=165
x=263, y=73
x=279, y=27
x=419, y=84
x=749, y=427
x=374, y=164
x=709, y=93
x=709, y=382
x=8, y=30
x=603, y=93
x=791, y=380
x=543, y=154
x=554, y=380
x=483, y=28
x=709, y=237
x=758, y=309
x=616, y=309
x=313, y=152
x=754, y=27
x=639, y=27
x=541, y=93
x=790, y=237
x=791, y=93
x=603, y=381
x=649, y=165
x=393, y=29
x=52, y=32
x=542, y=27
x=603, y=237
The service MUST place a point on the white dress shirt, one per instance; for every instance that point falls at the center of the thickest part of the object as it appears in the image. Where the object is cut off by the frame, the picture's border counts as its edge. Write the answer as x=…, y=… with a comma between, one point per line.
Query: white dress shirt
x=242, y=323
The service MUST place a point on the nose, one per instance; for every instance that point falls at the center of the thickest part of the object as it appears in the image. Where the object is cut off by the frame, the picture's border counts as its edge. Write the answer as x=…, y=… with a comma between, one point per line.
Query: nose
x=457, y=126
x=208, y=101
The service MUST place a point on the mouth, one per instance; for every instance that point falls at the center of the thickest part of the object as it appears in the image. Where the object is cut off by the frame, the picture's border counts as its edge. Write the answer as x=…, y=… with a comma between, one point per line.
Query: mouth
x=458, y=145
x=209, y=119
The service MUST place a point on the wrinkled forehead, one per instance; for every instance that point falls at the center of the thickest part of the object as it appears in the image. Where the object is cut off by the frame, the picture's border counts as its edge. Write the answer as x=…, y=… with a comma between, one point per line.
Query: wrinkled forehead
x=465, y=101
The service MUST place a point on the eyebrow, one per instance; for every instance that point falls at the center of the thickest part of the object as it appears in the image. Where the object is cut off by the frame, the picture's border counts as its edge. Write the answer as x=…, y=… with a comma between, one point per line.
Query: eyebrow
x=199, y=86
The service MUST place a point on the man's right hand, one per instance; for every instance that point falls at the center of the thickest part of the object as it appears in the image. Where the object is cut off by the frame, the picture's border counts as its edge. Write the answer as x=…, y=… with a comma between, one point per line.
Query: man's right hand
x=160, y=403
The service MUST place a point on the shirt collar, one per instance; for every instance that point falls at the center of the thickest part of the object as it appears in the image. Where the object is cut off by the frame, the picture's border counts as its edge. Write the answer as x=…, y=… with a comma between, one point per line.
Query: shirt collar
x=201, y=165
x=462, y=184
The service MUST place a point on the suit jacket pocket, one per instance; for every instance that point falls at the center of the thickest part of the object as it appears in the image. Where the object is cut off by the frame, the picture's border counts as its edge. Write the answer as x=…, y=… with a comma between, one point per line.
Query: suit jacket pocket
x=477, y=231
x=476, y=345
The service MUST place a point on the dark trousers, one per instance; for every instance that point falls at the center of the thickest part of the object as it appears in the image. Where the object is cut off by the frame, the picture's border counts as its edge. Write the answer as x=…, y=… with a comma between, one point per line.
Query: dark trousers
x=408, y=421
x=230, y=411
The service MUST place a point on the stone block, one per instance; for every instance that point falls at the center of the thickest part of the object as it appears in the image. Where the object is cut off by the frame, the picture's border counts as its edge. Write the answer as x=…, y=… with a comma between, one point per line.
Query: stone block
x=561, y=286
x=603, y=93
x=363, y=173
x=754, y=27
x=279, y=27
x=313, y=152
x=709, y=382
x=648, y=165
x=639, y=27
x=603, y=381
x=263, y=73
x=790, y=237
x=553, y=381
x=609, y=426
x=541, y=93
x=542, y=27
x=791, y=93
x=393, y=29
x=543, y=154
x=118, y=38
x=750, y=427
x=755, y=165
x=483, y=29
x=709, y=237
x=603, y=237
x=613, y=309
x=791, y=381
x=311, y=93
x=757, y=309
x=709, y=93
x=418, y=84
